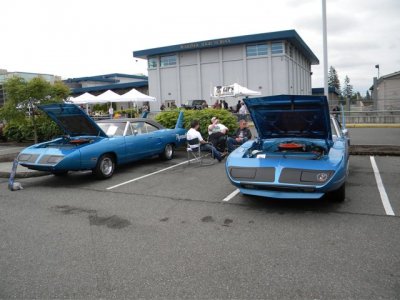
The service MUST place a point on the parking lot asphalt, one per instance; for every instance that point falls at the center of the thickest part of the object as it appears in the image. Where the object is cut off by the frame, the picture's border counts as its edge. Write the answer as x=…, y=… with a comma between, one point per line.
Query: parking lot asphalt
x=165, y=230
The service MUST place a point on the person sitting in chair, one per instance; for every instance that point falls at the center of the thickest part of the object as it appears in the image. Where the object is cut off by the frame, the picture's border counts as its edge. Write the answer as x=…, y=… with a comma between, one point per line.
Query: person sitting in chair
x=242, y=134
x=193, y=133
x=217, y=134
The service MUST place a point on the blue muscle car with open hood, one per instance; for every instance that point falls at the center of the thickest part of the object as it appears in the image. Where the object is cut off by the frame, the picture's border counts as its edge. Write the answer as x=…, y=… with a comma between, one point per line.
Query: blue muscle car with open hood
x=301, y=150
x=100, y=146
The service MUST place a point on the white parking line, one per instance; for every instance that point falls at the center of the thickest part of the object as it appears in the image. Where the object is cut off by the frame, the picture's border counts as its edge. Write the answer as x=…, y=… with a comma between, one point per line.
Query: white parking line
x=147, y=175
x=231, y=195
x=381, y=188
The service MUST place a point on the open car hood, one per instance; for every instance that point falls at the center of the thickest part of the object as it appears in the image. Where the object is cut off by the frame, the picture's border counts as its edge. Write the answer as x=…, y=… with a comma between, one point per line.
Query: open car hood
x=72, y=120
x=290, y=116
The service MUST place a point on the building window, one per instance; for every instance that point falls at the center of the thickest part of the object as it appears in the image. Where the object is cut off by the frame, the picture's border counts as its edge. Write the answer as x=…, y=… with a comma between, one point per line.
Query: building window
x=256, y=50
x=152, y=63
x=277, y=48
x=169, y=60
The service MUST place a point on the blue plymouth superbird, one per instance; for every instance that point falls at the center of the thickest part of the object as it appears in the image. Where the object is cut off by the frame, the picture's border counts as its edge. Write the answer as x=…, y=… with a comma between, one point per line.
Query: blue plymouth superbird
x=100, y=146
x=301, y=150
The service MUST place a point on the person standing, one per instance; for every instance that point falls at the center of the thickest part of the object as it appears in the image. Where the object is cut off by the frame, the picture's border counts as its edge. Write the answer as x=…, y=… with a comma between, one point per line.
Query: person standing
x=111, y=112
x=243, y=112
x=193, y=133
x=238, y=105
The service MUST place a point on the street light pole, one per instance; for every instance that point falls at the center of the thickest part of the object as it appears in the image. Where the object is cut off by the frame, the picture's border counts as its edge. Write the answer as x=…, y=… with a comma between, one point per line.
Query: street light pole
x=325, y=46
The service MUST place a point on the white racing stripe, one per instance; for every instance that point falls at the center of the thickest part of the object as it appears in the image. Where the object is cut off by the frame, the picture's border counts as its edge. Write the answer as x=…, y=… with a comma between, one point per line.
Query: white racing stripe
x=231, y=195
x=147, y=175
x=381, y=188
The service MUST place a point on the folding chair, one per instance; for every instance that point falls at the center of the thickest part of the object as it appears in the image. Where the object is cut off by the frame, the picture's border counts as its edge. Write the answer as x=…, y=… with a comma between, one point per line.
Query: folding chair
x=195, y=155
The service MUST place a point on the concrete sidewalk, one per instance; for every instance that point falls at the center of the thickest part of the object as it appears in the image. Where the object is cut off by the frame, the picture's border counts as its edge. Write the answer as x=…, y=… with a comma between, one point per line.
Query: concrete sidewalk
x=8, y=152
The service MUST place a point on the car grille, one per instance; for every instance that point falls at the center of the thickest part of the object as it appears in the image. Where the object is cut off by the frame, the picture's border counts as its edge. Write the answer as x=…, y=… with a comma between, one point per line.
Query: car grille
x=253, y=174
x=28, y=158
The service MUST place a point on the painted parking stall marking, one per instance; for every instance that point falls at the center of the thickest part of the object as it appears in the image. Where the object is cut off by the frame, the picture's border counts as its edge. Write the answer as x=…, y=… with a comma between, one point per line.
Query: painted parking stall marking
x=147, y=175
x=384, y=197
x=231, y=195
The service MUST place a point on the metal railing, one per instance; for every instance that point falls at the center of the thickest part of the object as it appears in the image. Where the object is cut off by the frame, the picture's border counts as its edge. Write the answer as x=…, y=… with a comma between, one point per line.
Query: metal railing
x=373, y=117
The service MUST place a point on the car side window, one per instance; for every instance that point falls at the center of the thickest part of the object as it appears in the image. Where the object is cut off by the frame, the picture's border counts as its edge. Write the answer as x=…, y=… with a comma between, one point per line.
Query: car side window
x=137, y=128
x=335, y=128
x=129, y=130
x=113, y=129
x=149, y=128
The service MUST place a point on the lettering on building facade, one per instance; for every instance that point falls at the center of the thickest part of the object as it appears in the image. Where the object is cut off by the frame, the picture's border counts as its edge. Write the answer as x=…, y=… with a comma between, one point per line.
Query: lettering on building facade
x=205, y=44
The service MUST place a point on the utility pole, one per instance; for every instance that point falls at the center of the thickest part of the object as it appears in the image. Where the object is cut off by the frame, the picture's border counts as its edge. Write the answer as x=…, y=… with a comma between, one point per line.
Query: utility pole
x=325, y=46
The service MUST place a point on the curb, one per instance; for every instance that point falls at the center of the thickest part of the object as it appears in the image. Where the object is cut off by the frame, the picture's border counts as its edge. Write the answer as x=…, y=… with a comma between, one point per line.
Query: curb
x=28, y=174
x=366, y=125
x=375, y=150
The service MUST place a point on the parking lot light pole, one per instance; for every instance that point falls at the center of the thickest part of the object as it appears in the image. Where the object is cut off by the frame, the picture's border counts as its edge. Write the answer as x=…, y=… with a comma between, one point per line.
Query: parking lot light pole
x=325, y=47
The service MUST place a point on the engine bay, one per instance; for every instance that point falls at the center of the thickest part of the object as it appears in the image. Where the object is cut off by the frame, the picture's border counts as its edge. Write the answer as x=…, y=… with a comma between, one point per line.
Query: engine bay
x=288, y=148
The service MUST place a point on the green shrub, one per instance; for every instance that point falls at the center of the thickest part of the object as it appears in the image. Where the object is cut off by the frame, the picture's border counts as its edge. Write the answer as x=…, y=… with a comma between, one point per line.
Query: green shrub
x=46, y=128
x=18, y=130
x=168, y=118
x=22, y=130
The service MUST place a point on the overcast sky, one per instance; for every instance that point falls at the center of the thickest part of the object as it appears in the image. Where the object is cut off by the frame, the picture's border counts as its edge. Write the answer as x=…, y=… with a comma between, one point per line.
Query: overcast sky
x=76, y=38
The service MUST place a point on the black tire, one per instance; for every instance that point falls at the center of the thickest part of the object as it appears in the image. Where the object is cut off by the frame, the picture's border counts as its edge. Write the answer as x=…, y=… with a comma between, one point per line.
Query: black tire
x=105, y=167
x=168, y=152
x=60, y=173
x=339, y=195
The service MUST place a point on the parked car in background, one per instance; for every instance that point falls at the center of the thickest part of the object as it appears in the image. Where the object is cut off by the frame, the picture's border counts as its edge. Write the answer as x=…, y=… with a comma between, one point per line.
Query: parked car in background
x=195, y=104
x=99, y=146
x=301, y=151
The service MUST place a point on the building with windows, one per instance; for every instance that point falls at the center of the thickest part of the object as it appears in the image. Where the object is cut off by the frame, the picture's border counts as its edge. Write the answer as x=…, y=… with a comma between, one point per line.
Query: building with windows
x=385, y=92
x=117, y=82
x=271, y=63
x=4, y=75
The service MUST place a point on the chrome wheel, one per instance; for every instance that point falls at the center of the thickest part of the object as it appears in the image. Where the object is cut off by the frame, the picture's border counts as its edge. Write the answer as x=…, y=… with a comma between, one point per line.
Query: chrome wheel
x=105, y=167
x=168, y=152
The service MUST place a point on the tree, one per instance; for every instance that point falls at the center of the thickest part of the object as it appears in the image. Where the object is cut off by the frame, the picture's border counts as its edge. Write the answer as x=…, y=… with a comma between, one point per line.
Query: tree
x=347, y=91
x=333, y=79
x=22, y=98
x=367, y=96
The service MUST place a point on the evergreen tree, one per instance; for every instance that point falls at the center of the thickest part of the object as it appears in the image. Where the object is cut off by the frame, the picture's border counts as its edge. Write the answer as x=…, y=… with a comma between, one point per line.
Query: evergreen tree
x=367, y=96
x=347, y=90
x=333, y=79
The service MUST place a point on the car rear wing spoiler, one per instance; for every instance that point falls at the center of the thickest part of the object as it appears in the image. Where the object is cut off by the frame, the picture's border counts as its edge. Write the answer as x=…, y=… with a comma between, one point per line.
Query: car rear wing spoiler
x=179, y=122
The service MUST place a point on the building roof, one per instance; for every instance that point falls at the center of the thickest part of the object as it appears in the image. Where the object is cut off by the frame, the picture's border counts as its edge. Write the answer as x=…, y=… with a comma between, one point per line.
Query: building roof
x=382, y=78
x=115, y=86
x=389, y=75
x=290, y=35
x=105, y=78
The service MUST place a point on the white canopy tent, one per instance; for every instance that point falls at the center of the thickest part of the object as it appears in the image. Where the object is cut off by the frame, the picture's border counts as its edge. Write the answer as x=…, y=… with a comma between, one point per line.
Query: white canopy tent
x=136, y=96
x=85, y=98
x=108, y=96
x=131, y=96
x=233, y=90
